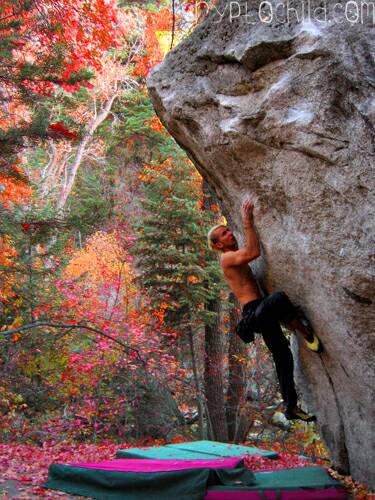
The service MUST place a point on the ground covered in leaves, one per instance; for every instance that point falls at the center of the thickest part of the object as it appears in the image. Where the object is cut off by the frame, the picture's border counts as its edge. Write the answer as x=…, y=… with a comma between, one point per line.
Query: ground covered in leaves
x=24, y=467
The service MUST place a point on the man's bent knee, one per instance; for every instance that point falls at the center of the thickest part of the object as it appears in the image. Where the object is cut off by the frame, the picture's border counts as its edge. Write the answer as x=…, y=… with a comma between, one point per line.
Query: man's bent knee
x=285, y=308
x=280, y=295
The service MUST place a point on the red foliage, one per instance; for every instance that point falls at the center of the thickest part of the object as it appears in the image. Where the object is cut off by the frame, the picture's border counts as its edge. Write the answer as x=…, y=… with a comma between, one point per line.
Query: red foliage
x=81, y=31
x=285, y=461
x=28, y=464
x=57, y=130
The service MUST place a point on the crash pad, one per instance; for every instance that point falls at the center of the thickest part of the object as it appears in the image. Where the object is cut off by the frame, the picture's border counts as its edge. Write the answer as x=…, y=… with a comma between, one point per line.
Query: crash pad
x=195, y=450
x=222, y=449
x=304, y=483
x=138, y=479
x=163, y=453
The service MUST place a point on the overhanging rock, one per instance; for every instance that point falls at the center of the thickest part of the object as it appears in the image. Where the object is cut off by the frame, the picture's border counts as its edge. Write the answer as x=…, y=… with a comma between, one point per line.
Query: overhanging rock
x=286, y=112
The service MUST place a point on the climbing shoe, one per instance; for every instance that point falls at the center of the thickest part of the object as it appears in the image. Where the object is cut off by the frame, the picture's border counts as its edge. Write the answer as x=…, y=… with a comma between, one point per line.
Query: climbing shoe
x=315, y=344
x=298, y=414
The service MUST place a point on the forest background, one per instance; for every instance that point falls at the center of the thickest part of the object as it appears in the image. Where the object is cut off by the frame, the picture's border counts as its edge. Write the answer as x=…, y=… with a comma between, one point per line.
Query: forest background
x=116, y=326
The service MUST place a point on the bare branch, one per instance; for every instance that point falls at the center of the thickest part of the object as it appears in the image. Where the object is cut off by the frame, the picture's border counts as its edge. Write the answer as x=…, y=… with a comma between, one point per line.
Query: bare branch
x=71, y=327
x=173, y=23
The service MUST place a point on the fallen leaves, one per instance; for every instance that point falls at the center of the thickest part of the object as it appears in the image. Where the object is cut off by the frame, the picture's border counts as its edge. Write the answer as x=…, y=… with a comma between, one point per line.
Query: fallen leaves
x=27, y=465
x=358, y=490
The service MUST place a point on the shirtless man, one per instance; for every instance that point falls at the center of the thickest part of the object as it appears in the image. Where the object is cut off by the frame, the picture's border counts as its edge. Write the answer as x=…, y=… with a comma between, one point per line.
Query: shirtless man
x=261, y=315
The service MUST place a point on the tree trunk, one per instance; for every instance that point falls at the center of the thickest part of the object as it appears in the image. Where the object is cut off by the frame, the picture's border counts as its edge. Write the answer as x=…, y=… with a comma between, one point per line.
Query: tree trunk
x=198, y=385
x=238, y=419
x=52, y=173
x=213, y=375
x=214, y=358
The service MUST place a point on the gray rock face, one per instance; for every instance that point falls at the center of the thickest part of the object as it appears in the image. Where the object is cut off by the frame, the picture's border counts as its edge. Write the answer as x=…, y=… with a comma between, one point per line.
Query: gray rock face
x=286, y=113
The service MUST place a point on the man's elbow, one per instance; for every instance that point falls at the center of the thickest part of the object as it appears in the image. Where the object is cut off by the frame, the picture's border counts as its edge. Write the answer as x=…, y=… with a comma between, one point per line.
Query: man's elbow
x=254, y=255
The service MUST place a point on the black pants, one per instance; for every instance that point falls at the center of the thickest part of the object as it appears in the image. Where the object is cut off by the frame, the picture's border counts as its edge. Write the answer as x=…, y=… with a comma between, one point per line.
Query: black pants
x=263, y=316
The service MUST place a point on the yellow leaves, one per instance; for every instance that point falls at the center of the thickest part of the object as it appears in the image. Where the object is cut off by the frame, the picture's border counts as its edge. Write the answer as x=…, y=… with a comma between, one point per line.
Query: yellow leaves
x=240, y=359
x=104, y=273
x=17, y=322
x=102, y=254
x=164, y=38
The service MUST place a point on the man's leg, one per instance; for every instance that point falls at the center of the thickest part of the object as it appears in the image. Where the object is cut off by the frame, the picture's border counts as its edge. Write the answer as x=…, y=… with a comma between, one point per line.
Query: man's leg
x=283, y=359
x=268, y=325
x=278, y=306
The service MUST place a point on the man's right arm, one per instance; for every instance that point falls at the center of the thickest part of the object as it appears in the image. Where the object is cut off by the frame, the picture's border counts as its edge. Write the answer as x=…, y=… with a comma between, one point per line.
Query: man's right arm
x=251, y=250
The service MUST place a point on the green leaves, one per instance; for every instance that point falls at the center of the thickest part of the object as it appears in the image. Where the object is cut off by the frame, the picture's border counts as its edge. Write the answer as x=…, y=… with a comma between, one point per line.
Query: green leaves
x=175, y=266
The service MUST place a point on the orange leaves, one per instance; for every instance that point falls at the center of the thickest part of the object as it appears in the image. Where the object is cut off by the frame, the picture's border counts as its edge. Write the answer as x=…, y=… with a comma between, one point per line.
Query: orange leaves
x=155, y=124
x=358, y=490
x=16, y=337
x=7, y=255
x=193, y=279
x=15, y=324
x=13, y=190
x=160, y=313
x=155, y=23
x=99, y=282
x=7, y=252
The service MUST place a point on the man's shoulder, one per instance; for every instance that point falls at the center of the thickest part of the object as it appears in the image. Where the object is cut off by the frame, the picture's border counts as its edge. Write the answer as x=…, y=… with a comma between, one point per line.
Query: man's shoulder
x=228, y=257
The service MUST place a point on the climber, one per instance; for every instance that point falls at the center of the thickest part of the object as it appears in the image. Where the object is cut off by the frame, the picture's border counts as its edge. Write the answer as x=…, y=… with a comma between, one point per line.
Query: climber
x=262, y=315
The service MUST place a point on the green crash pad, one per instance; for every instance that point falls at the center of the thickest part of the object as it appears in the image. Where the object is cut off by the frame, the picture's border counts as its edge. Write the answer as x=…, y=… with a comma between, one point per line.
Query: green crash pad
x=117, y=480
x=194, y=450
x=222, y=449
x=304, y=477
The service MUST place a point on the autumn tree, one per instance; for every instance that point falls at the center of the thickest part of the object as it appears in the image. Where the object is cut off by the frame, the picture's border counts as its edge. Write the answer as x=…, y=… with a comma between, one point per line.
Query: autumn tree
x=45, y=45
x=78, y=121
x=175, y=267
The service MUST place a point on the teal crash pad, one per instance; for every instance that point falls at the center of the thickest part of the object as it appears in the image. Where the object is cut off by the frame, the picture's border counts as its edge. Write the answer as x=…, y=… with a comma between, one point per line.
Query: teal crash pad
x=222, y=449
x=162, y=453
x=289, y=479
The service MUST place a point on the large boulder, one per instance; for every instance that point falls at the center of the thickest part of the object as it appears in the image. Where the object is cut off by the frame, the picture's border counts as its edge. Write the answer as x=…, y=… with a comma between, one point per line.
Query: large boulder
x=285, y=112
